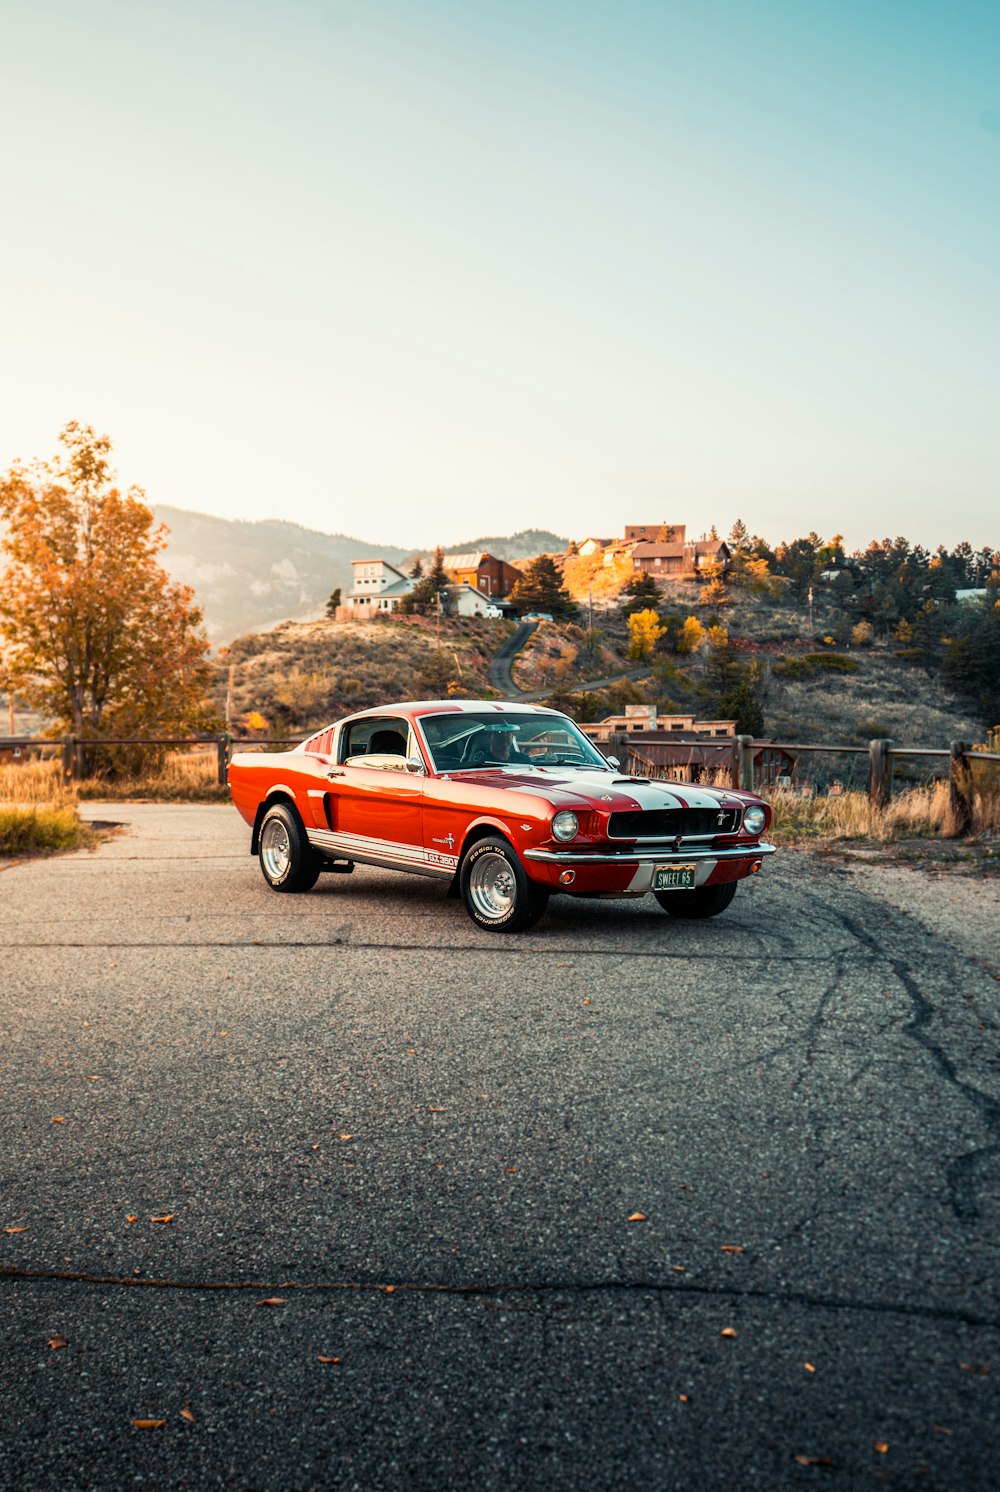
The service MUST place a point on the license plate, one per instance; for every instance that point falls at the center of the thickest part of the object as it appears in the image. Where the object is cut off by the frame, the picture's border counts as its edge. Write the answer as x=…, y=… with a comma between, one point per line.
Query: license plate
x=673, y=878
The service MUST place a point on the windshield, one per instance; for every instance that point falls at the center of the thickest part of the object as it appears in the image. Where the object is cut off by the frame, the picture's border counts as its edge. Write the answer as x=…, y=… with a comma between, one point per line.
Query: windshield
x=496, y=739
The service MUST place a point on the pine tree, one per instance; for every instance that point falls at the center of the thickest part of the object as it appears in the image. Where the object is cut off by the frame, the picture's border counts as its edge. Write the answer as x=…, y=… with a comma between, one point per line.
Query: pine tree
x=639, y=593
x=541, y=590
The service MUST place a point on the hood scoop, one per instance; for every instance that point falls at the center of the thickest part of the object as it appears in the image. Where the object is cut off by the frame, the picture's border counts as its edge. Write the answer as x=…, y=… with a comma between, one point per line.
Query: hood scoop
x=625, y=781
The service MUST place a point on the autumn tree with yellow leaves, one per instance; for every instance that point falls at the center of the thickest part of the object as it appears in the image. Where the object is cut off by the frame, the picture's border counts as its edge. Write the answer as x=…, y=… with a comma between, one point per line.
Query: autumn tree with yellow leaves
x=93, y=632
x=644, y=631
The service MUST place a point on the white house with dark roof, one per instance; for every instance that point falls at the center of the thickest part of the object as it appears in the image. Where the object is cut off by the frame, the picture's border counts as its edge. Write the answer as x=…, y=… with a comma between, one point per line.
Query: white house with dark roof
x=378, y=586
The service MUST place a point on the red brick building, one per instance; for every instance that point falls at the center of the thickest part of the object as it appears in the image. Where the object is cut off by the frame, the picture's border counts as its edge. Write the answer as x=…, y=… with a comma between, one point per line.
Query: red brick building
x=484, y=572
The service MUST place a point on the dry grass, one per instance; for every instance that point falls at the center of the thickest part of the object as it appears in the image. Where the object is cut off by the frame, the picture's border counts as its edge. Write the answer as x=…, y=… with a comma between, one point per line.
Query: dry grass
x=185, y=777
x=35, y=782
x=918, y=812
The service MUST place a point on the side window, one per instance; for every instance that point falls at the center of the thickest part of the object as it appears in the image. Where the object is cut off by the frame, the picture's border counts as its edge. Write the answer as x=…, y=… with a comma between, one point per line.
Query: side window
x=384, y=735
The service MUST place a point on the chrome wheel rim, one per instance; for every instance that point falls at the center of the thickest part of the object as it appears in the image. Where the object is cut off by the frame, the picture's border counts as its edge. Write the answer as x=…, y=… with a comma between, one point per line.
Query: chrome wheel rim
x=492, y=886
x=275, y=849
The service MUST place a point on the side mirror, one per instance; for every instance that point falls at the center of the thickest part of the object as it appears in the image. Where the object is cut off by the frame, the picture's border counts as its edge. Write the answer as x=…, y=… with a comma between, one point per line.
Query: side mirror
x=613, y=762
x=416, y=766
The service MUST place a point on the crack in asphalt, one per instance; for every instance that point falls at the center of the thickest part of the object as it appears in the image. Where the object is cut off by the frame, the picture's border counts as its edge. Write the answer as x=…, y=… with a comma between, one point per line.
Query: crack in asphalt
x=534, y=951
x=543, y=1288
x=960, y=1175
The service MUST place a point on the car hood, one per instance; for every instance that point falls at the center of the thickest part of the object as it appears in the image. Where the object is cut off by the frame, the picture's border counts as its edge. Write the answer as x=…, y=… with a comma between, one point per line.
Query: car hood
x=608, y=792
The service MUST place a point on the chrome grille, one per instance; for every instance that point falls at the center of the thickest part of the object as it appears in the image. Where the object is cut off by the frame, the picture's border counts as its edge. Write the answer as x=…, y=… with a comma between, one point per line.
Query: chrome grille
x=672, y=823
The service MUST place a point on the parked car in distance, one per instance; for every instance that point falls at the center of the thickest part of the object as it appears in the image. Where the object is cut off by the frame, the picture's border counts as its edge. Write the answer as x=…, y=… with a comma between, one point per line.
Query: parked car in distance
x=510, y=803
x=537, y=616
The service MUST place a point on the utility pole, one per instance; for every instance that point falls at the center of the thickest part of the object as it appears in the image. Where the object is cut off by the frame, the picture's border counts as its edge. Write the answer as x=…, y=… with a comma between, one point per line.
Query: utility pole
x=229, y=694
x=590, y=622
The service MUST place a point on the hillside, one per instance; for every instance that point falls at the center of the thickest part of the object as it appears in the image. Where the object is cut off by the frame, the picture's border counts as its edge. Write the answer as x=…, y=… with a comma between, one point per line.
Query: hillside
x=303, y=674
x=300, y=675
x=250, y=576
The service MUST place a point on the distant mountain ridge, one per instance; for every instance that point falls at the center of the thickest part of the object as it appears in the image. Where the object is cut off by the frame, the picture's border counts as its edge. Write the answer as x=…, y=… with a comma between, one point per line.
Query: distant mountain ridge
x=249, y=576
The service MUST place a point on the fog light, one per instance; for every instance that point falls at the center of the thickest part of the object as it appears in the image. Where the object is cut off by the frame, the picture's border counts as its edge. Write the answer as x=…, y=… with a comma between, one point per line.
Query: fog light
x=755, y=867
x=567, y=878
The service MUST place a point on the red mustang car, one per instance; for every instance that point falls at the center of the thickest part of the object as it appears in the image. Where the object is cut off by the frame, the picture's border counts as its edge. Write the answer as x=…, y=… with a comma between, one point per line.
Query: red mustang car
x=510, y=803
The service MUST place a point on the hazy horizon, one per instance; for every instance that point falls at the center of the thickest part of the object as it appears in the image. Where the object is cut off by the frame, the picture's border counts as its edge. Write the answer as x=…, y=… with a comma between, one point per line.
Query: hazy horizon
x=413, y=270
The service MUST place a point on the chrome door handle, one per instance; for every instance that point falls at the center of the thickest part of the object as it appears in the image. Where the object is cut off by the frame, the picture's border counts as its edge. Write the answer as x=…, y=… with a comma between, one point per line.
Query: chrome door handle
x=335, y=774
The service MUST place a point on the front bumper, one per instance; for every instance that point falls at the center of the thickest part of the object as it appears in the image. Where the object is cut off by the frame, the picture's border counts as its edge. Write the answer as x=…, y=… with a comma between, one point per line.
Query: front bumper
x=630, y=872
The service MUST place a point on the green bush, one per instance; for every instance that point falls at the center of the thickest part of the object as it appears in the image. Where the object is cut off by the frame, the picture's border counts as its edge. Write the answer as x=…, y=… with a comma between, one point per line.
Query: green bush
x=809, y=665
x=31, y=830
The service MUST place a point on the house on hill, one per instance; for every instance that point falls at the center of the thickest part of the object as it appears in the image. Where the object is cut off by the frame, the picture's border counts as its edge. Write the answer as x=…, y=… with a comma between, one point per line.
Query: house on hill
x=674, y=561
x=484, y=572
x=378, y=587
x=655, y=533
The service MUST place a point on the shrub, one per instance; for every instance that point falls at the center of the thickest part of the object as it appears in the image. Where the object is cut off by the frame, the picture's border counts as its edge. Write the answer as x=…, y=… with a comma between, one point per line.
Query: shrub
x=29, y=831
x=812, y=664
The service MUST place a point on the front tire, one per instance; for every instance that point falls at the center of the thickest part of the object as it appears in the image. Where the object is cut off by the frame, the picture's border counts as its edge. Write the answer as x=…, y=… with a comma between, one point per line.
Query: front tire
x=497, y=893
x=288, y=861
x=706, y=901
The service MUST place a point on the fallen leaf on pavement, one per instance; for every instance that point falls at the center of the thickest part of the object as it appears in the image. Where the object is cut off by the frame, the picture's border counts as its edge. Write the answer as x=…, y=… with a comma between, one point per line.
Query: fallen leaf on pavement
x=15, y=1230
x=882, y=1446
x=436, y=1111
x=56, y=1342
x=814, y=1460
x=684, y=1398
x=273, y=1300
x=389, y=1289
x=167, y=1217
x=149, y=1424
x=131, y=1217
x=58, y=1119
x=678, y=1269
x=345, y=1137
x=327, y=1359
x=186, y=1414
x=727, y=1331
x=636, y=1217
x=942, y=1430
x=732, y=1248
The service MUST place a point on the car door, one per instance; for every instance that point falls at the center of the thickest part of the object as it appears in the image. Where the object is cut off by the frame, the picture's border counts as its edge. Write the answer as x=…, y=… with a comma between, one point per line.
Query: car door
x=373, y=802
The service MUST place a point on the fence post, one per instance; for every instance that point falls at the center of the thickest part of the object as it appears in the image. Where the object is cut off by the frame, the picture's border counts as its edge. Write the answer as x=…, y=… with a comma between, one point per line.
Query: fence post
x=879, y=773
x=68, y=756
x=222, y=749
x=744, y=748
x=960, y=788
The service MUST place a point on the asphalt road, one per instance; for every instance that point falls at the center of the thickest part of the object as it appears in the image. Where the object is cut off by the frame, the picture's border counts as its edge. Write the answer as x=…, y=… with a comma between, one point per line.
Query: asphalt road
x=499, y=674
x=428, y=1142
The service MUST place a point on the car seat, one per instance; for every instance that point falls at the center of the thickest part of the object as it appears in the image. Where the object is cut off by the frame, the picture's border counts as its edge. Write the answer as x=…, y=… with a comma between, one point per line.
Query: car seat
x=387, y=743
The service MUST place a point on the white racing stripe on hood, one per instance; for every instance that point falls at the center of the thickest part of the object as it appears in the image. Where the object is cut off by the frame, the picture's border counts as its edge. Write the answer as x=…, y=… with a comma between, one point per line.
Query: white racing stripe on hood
x=669, y=795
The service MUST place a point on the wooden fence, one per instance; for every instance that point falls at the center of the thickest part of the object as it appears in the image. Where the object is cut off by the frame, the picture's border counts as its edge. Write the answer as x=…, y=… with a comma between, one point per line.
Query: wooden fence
x=736, y=754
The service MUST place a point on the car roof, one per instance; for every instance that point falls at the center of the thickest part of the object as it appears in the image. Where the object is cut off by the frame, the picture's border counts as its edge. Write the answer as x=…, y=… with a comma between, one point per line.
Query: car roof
x=455, y=707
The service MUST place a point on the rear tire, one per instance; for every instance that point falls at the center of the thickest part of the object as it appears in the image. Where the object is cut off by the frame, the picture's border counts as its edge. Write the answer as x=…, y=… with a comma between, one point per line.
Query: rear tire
x=288, y=861
x=496, y=890
x=706, y=901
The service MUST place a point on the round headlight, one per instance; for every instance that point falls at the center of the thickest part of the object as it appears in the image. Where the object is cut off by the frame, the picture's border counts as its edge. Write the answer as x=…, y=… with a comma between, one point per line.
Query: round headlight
x=565, y=825
x=754, y=820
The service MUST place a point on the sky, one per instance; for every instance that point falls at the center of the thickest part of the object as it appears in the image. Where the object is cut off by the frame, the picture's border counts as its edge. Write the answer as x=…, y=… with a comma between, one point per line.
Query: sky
x=418, y=270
